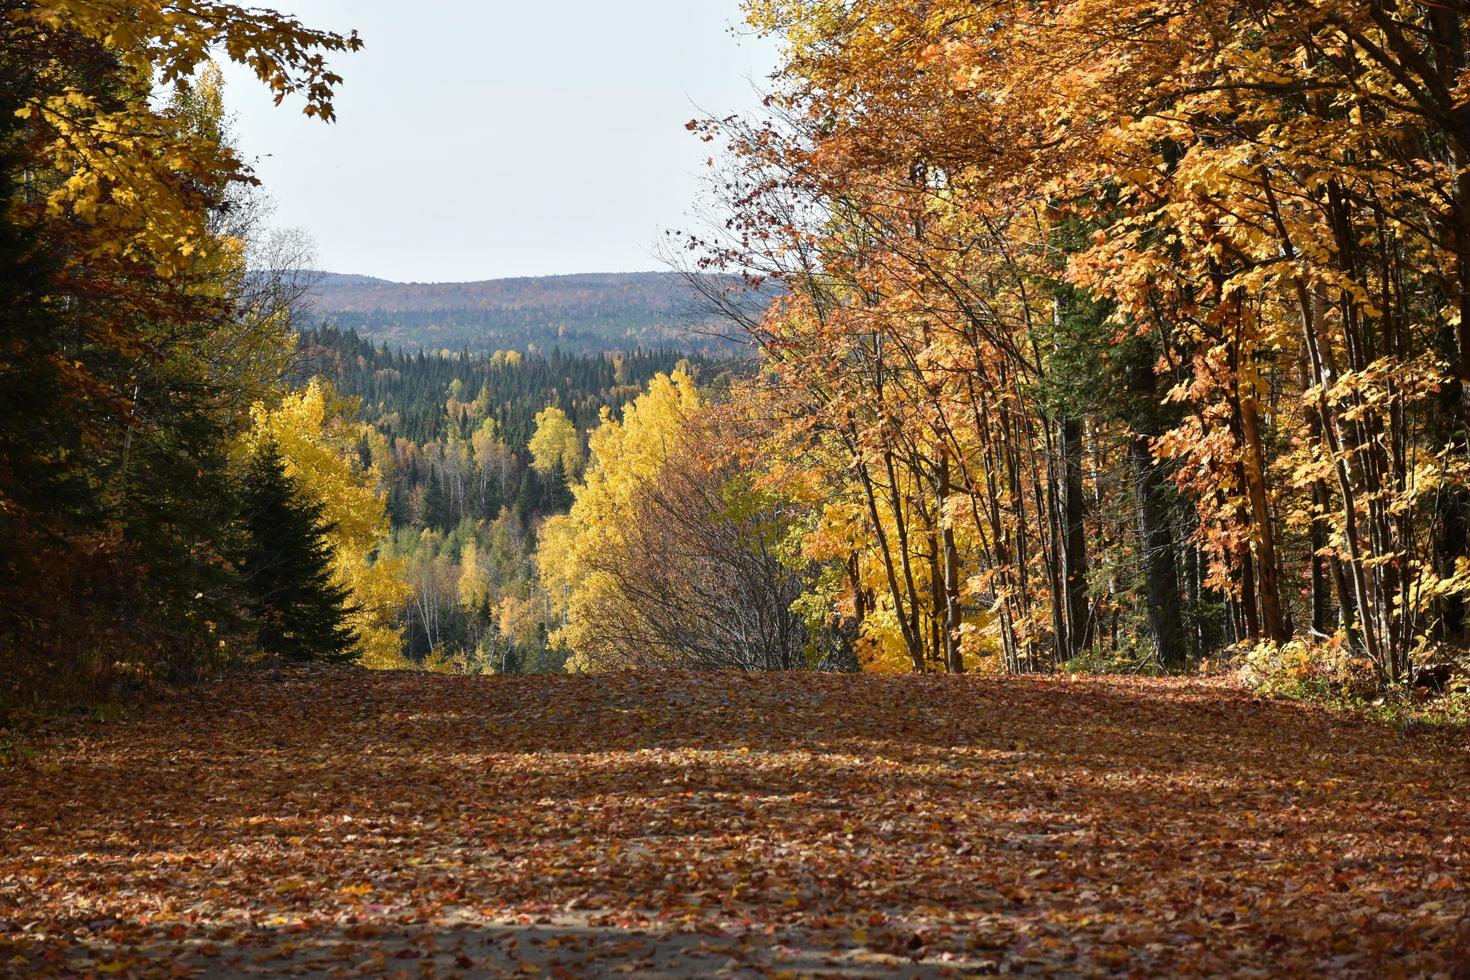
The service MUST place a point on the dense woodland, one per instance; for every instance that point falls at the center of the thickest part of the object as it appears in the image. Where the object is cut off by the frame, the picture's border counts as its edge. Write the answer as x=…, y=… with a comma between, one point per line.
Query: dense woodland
x=1120, y=331
x=452, y=330
x=471, y=453
x=1104, y=335
x=1115, y=335
x=410, y=394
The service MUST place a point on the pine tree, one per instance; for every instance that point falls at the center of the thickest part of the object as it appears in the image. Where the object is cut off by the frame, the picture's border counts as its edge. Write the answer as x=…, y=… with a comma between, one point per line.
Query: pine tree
x=528, y=499
x=436, y=504
x=288, y=568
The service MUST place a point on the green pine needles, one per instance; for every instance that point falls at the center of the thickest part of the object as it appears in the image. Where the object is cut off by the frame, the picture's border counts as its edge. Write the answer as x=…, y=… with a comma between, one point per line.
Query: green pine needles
x=287, y=568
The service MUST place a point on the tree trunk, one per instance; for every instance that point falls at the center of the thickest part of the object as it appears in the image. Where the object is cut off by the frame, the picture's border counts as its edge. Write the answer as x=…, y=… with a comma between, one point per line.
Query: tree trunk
x=1268, y=587
x=1322, y=624
x=1074, y=540
x=1156, y=542
x=953, y=656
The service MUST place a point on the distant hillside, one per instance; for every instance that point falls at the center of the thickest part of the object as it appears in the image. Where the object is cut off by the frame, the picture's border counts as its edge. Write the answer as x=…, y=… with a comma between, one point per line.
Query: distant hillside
x=576, y=313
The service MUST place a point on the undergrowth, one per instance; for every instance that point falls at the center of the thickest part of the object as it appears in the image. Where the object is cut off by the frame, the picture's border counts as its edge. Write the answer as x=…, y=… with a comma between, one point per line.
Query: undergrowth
x=1330, y=673
x=1138, y=659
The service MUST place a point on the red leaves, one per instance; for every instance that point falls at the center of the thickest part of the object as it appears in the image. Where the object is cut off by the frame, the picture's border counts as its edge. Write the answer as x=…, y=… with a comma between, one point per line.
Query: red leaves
x=368, y=824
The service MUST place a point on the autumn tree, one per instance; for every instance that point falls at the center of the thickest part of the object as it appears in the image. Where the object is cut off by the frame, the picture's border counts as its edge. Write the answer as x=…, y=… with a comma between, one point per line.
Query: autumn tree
x=315, y=432
x=670, y=557
x=556, y=449
x=1237, y=225
x=125, y=276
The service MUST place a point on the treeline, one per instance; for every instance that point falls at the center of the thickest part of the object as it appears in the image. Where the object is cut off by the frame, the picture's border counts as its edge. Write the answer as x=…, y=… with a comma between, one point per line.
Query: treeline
x=405, y=392
x=1119, y=331
x=579, y=314
x=599, y=327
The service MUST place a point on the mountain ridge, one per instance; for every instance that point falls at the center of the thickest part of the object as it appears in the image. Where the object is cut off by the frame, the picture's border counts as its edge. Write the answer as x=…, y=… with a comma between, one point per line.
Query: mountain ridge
x=585, y=311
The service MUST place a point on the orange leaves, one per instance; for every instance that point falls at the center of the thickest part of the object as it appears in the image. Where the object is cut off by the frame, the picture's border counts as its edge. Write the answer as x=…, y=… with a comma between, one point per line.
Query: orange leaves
x=807, y=823
x=1263, y=201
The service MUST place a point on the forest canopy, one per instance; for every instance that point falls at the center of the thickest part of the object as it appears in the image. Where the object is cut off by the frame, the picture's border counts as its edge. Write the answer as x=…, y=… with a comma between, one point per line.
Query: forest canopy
x=1089, y=335
x=1119, y=331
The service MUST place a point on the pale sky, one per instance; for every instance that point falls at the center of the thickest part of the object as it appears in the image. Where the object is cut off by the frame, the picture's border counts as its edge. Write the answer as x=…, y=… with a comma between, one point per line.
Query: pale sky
x=478, y=140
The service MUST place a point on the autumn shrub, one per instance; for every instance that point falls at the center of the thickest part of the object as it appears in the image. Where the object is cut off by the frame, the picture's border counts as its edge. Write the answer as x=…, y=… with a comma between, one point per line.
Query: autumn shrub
x=441, y=660
x=1452, y=707
x=1310, y=669
x=1437, y=700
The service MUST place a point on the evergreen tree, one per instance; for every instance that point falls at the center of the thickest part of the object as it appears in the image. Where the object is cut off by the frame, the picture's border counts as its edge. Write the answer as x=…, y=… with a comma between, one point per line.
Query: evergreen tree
x=557, y=495
x=287, y=568
x=436, y=504
x=528, y=500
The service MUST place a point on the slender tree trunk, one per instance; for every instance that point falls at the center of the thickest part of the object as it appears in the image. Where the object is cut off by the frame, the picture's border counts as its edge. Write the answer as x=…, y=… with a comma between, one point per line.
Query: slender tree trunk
x=912, y=642
x=905, y=558
x=953, y=655
x=1323, y=374
x=1452, y=524
x=1250, y=609
x=1074, y=540
x=1156, y=543
x=1322, y=624
x=1268, y=586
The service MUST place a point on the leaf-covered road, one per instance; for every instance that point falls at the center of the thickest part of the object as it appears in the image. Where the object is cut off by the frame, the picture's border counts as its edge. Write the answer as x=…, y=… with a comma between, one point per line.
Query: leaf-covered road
x=335, y=822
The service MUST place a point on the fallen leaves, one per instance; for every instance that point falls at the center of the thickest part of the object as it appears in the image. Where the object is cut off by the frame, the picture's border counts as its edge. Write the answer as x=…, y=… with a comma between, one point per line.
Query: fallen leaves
x=341, y=822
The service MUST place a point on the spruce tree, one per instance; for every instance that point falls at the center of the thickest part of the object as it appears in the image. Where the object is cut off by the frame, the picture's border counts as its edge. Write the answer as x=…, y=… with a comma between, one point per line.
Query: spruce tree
x=436, y=504
x=287, y=568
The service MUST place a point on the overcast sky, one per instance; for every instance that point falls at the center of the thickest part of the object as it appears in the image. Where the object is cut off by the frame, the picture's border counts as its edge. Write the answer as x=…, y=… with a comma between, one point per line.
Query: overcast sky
x=478, y=139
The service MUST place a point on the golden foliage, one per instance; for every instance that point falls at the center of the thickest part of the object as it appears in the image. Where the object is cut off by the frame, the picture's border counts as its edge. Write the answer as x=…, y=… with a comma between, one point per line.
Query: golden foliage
x=318, y=445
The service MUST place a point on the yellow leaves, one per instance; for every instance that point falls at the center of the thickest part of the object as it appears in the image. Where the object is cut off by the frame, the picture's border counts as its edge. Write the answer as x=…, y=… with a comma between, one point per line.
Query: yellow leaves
x=474, y=584
x=625, y=453
x=519, y=618
x=133, y=173
x=309, y=425
x=155, y=36
x=319, y=449
x=555, y=445
x=135, y=170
